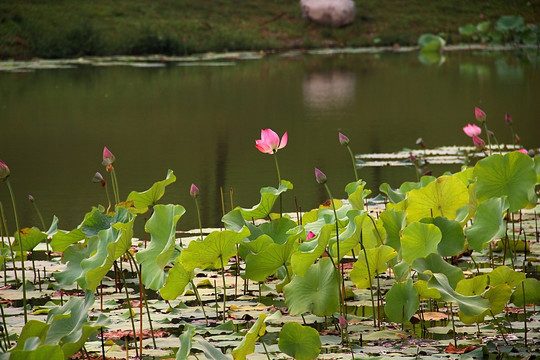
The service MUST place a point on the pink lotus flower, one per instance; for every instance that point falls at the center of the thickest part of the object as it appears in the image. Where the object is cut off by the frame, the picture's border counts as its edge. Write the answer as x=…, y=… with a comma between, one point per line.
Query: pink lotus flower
x=269, y=142
x=479, y=114
x=522, y=150
x=108, y=158
x=194, y=191
x=478, y=142
x=4, y=171
x=470, y=130
x=310, y=235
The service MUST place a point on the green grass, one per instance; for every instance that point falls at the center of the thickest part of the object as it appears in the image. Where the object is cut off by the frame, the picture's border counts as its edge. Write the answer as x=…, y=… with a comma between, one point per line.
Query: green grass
x=71, y=28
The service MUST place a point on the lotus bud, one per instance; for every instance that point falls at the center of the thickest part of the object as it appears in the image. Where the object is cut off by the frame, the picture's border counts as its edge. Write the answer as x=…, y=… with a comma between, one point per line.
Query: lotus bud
x=31, y=198
x=420, y=142
x=342, y=321
x=108, y=158
x=194, y=191
x=4, y=171
x=412, y=158
x=508, y=118
x=310, y=235
x=97, y=178
x=516, y=139
x=343, y=140
x=320, y=176
x=478, y=142
x=479, y=114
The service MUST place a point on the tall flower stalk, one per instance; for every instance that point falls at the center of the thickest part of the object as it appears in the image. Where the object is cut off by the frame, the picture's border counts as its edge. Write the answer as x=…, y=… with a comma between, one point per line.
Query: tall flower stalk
x=98, y=178
x=33, y=201
x=270, y=143
x=344, y=140
x=4, y=176
x=320, y=177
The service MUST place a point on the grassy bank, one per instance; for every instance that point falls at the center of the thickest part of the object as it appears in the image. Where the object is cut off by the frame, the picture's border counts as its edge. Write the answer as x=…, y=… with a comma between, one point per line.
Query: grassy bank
x=72, y=28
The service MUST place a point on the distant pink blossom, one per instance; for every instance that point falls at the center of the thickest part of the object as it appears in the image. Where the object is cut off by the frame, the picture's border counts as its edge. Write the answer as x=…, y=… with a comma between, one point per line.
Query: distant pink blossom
x=270, y=142
x=478, y=142
x=470, y=130
x=310, y=235
x=479, y=114
x=320, y=176
x=508, y=118
x=522, y=150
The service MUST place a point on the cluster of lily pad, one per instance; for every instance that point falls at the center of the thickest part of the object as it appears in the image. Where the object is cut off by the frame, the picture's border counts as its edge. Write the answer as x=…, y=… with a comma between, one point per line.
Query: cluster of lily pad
x=413, y=239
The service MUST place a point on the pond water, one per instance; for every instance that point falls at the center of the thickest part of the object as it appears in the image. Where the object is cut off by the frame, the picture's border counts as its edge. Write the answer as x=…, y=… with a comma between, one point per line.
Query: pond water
x=202, y=122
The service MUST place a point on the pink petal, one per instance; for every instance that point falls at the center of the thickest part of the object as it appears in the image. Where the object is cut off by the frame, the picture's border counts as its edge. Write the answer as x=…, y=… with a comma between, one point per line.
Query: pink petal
x=263, y=147
x=283, y=141
x=270, y=138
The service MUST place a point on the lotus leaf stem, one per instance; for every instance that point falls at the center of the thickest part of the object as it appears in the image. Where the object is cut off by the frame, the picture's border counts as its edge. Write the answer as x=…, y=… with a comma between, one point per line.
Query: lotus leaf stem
x=20, y=248
x=130, y=312
x=43, y=227
x=353, y=162
x=224, y=289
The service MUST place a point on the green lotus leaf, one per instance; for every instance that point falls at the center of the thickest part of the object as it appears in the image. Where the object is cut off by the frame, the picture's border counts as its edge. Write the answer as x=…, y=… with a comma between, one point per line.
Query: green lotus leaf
x=266, y=262
x=234, y=221
x=357, y=194
x=377, y=259
x=209, y=350
x=111, y=244
x=43, y=352
x=467, y=30
x=430, y=43
x=509, y=22
x=62, y=240
x=310, y=251
x=162, y=228
x=505, y=275
x=394, y=196
x=453, y=238
x=394, y=222
x=316, y=292
x=401, y=301
x=352, y=234
x=142, y=200
x=532, y=293
x=269, y=196
x=277, y=229
x=511, y=175
x=185, y=343
x=442, y=197
x=67, y=326
x=300, y=342
x=397, y=196
x=74, y=255
x=497, y=296
x=53, y=229
x=29, y=238
x=436, y=264
x=488, y=223
x=326, y=216
x=474, y=286
x=425, y=291
x=216, y=248
x=419, y=240
x=247, y=346
x=402, y=270
x=177, y=279
x=468, y=305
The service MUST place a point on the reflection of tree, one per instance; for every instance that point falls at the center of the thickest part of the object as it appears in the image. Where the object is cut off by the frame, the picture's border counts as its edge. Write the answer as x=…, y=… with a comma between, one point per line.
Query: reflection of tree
x=329, y=90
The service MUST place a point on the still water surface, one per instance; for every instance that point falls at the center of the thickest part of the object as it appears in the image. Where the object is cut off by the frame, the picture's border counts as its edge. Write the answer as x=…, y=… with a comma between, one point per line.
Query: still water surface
x=202, y=122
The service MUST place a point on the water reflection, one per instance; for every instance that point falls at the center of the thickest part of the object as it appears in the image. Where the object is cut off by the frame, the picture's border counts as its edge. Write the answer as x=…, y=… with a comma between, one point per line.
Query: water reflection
x=329, y=90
